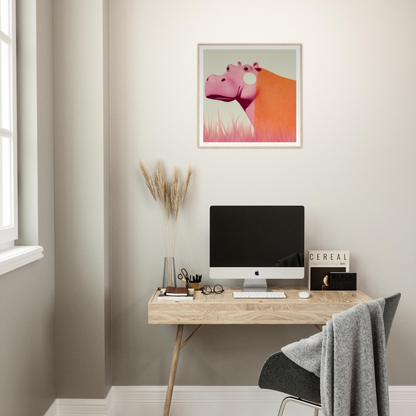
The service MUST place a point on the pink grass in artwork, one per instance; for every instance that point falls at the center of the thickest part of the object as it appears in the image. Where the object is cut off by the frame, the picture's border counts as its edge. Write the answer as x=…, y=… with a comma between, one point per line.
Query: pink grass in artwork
x=240, y=131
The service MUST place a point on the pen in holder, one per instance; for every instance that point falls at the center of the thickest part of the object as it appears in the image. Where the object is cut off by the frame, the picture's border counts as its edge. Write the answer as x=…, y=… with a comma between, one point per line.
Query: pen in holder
x=192, y=282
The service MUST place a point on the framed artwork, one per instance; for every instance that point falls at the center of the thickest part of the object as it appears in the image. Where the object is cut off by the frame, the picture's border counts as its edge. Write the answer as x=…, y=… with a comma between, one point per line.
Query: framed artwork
x=249, y=95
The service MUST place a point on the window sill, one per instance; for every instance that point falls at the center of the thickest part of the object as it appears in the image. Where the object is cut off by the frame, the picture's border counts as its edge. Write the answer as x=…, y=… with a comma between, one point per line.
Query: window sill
x=18, y=256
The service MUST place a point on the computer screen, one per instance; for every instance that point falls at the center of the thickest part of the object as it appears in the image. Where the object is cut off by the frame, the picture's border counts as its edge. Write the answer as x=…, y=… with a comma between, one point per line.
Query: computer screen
x=256, y=242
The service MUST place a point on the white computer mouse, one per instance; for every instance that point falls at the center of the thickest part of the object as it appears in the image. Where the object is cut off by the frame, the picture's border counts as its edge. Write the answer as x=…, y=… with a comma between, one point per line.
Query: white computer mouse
x=304, y=295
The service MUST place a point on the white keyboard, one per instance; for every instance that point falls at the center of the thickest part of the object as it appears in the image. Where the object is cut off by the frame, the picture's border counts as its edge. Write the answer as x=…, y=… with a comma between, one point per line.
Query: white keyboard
x=259, y=295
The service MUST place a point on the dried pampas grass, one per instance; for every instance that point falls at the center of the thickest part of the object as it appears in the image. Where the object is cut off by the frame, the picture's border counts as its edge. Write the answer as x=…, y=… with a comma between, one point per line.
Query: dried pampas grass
x=186, y=183
x=174, y=193
x=167, y=197
x=170, y=198
x=148, y=179
x=160, y=180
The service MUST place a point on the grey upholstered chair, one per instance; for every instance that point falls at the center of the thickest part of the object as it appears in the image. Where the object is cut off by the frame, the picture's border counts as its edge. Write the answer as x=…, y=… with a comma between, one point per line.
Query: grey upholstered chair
x=281, y=374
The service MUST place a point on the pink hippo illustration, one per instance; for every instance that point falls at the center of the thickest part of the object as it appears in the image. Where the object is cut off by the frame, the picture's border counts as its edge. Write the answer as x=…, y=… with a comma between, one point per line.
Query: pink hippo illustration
x=269, y=100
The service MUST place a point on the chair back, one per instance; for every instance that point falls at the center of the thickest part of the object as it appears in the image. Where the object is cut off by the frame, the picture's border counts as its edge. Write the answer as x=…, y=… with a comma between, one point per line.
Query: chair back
x=390, y=308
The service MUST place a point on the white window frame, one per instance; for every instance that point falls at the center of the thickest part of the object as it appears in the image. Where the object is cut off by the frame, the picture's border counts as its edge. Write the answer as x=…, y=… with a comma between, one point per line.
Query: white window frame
x=9, y=232
x=11, y=256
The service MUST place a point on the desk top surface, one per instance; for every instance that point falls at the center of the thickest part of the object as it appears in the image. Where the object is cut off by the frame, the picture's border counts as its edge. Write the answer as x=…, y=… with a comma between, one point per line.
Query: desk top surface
x=224, y=309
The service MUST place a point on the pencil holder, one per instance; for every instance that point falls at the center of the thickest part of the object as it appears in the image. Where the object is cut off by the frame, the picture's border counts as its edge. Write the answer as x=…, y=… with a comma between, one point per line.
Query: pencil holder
x=195, y=286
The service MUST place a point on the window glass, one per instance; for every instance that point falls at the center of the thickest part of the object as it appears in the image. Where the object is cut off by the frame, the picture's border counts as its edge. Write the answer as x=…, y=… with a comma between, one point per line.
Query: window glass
x=5, y=16
x=5, y=85
x=6, y=182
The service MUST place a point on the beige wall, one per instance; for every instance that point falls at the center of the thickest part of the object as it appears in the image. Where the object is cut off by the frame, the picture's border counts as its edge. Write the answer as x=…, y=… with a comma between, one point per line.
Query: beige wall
x=27, y=295
x=355, y=174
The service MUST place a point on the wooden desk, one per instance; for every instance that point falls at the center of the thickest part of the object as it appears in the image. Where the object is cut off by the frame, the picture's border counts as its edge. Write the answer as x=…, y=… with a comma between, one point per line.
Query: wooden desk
x=223, y=309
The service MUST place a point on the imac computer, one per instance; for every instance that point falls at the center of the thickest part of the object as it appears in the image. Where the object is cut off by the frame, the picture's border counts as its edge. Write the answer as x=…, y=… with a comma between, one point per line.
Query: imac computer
x=256, y=243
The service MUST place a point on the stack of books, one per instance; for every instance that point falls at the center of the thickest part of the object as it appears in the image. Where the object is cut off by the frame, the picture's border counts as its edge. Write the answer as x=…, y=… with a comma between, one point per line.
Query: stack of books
x=176, y=293
x=323, y=262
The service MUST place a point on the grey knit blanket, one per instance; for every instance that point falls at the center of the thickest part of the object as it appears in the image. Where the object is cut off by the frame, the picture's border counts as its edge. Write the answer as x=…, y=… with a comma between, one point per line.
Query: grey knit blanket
x=349, y=356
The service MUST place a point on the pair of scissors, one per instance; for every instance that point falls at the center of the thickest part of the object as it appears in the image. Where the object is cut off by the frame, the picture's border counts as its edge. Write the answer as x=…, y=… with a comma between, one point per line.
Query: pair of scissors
x=184, y=275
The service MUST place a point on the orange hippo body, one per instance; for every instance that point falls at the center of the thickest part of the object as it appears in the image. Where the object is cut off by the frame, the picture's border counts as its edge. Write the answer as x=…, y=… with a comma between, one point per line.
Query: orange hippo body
x=275, y=105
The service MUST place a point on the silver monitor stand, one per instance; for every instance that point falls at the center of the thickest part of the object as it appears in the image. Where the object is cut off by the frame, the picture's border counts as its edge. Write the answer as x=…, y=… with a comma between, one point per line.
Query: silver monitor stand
x=255, y=285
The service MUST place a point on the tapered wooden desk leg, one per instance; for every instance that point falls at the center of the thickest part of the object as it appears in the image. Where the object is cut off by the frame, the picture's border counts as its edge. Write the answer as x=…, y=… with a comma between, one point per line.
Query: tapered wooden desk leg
x=173, y=368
